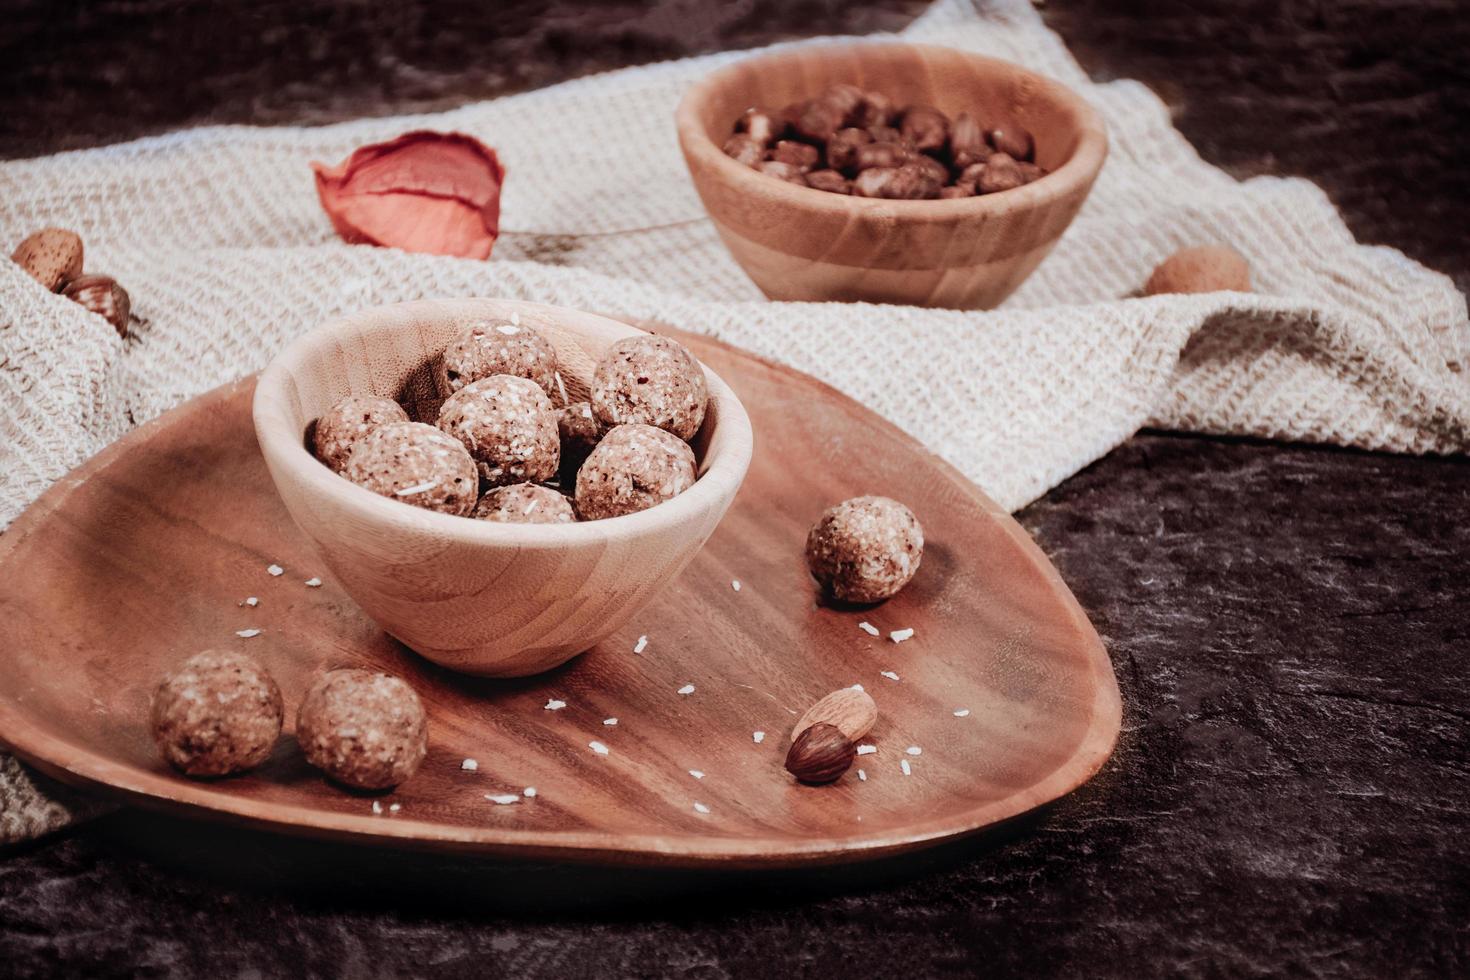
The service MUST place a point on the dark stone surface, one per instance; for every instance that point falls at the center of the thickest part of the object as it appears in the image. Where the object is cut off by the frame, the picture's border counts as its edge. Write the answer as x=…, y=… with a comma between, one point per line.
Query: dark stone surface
x=1288, y=624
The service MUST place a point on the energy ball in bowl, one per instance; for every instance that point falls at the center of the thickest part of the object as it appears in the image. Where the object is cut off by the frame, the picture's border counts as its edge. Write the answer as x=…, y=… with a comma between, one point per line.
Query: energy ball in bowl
x=525, y=503
x=865, y=549
x=633, y=468
x=344, y=424
x=362, y=728
x=509, y=427
x=417, y=464
x=650, y=380
x=497, y=347
x=219, y=713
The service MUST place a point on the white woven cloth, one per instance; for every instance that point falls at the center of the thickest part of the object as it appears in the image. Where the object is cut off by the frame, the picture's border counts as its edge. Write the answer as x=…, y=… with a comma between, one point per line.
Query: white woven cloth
x=218, y=236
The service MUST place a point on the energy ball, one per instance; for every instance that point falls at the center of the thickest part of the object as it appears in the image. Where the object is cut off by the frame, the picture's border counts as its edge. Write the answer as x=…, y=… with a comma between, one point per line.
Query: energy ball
x=219, y=713
x=417, y=464
x=508, y=426
x=865, y=549
x=344, y=424
x=633, y=468
x=580, y=432
x=525, y=503
x=363, y=728
x=498, y=347
x=650, y=380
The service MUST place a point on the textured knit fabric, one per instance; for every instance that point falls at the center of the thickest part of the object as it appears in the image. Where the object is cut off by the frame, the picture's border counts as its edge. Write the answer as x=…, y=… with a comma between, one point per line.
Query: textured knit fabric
x=219, y=238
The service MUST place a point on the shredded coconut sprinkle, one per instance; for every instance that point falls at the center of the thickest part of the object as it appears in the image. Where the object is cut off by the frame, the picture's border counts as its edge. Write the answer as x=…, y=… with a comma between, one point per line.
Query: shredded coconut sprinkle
x=686, y=689
x=515, y=317
x=898, y=636
x=857, y=687
x=758, y=737
x=275, y=570
x=469, y=765
x=555, y=705
x=395, y=808
x=890, y=675
x=247, y=634
x=914, y=750
x=416, y=488
x=377, y=807
x=313, y=583
x=700, y=808
x=904, y=765
x=696, y=774
x=962, y=713
x=868, y=628
x=503, y=799
x=609, y=721
x=641, y=645
x=529, y=792
x=862, y=775
x=735, y=584
x=866, y=749
x=597, y=747
x=252, y=602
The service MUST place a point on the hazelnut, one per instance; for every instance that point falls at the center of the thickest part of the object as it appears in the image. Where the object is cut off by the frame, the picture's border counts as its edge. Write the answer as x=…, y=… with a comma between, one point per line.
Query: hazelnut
x=870, y=155
x=1204, y=269
x=956, y=190
x=1030, y=171
x=816, y=121
x=802, y=156
x=885, y=134
x=842, y=149
x=1001, y=174
x=846, y=99
x=932, y=168
x=821, y=754
x=876, y=109
x=760, y=125
x=103, y=296
x=783, y=171
x=1013, y=141
x=926, y=126
x=829, y=180
x=971, y=174
x=744, y=149
x=906, y=183
x=52, y=257
x=967, y=144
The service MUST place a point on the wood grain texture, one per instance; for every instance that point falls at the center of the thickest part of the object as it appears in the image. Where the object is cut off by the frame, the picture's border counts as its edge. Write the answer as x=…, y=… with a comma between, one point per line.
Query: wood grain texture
x=502, y=600
x=144, y=555
x=802, y=244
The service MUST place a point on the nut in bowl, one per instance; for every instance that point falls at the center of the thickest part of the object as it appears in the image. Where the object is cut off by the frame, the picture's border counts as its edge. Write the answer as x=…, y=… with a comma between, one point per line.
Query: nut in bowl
x=800, y=241
x=477, y=595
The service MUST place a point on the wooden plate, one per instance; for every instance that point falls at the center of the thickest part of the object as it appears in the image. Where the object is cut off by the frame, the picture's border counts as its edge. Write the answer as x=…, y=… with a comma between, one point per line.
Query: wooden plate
x=146, y=554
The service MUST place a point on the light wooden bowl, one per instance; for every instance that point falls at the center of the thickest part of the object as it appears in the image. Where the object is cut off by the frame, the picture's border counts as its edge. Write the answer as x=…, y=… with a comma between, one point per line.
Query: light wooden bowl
x=500, y=600
x=803, y=244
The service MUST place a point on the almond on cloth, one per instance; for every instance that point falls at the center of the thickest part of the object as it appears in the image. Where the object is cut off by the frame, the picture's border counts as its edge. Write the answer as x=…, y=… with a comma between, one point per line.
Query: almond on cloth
x=52, y=256
x=1203, y=269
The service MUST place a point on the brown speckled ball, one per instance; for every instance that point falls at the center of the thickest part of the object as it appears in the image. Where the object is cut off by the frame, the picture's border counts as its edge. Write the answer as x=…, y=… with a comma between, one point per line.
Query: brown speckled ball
x=363, y=728
x=417, y=464
x=345, y=423
x=633, y=468
x=580, y=433
x=498, y=347
x=865, y=549
x=509, y=427
x=650, y=380
x=525, y=503
x=219, y=713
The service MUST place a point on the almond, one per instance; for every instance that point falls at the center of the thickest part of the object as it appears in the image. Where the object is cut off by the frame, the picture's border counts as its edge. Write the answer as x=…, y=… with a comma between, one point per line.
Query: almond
x=1205, y=269
x=52, y=256
x=820, y=754
x=850, y=710
x=103, y=296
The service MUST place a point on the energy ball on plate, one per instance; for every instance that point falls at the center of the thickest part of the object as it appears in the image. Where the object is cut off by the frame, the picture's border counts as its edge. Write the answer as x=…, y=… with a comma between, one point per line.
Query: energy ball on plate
x=345, y=423
x=509, y=427
x=580, y=433
x=633, y=468
x=865, y=549
x=650, y=380
x=525, y=503
x=417, y=464
x=363, y=728
x=219, y=713
x=498, y=347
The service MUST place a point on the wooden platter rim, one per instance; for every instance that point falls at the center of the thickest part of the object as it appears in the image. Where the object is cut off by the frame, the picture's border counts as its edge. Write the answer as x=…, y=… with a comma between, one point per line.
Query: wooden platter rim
x=79, y=766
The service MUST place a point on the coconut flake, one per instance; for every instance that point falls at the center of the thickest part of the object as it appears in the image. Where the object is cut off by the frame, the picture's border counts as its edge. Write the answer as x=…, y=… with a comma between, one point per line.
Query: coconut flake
x=889, y=674
x=275, y=570
x=868, y=628
x=555, y=705
x=252, y=601
x=515, y=317
x=866, y=749
x=686, y=689
x=416, y=488
x=502, y=799
x=313, y=583
x=597, y=747
x=469, y=765
x=700, y=808
x=529, y=792
x=641, y=645
x=862, y=775
x=609, y=722
x=758, y=737
x=735, y=584
x=696, y=774
x=898, y=636
x=509, y=329
x=247, y=634
x=857, y=687
x=904, y=765
x=962, y=713
x=394, y=808
x=914, y=750
x=377, y=807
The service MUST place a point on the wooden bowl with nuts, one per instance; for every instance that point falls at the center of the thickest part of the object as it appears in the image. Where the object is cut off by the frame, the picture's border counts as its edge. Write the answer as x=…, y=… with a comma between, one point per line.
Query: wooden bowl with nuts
x=800, y=241
x=480, y=596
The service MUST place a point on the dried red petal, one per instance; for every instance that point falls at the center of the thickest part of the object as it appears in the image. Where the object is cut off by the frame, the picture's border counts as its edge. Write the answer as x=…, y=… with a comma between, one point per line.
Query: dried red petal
x=422, y=192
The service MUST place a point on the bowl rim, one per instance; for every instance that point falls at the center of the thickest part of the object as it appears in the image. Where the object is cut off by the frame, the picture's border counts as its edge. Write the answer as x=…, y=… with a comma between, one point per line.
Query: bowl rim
x=1079, y=169
x=725, y=462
